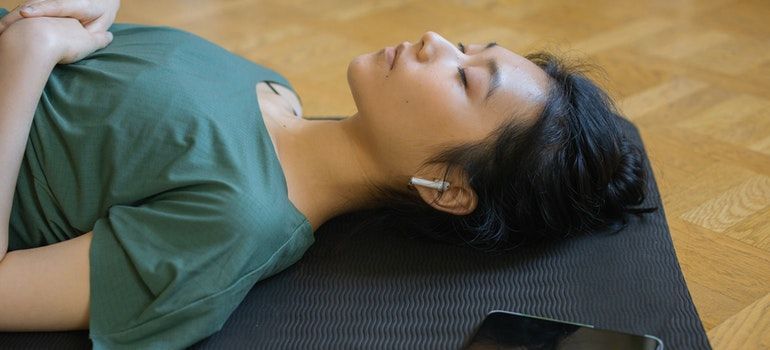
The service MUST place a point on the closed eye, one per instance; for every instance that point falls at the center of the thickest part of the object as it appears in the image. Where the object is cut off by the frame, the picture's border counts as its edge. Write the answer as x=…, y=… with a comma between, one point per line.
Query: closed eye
x=492, y=65
x=460, y=70
x=461, y=75
x=461, y=47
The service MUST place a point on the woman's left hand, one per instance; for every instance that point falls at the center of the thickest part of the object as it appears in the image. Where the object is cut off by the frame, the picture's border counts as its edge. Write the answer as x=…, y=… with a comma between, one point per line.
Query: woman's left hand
x=63, y=40
x=95, y=15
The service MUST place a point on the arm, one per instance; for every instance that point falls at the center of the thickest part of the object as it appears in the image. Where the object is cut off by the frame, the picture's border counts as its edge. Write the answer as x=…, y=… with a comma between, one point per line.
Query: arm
x=23, y=74
x=29, y=49
x=46, y=288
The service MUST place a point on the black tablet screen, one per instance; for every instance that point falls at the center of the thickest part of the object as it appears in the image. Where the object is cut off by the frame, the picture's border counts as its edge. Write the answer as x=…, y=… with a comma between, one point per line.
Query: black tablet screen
x=504, y=330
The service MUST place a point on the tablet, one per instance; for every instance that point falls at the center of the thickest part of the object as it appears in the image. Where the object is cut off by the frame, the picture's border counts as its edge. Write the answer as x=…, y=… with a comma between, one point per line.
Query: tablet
x=511, y=330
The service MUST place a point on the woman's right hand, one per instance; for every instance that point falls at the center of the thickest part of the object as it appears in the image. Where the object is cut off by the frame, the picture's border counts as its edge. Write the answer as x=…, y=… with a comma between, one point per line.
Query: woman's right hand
x=95, y=15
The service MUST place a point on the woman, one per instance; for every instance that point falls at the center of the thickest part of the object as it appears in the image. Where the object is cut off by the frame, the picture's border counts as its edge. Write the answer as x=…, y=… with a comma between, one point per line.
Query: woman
x=164, y=176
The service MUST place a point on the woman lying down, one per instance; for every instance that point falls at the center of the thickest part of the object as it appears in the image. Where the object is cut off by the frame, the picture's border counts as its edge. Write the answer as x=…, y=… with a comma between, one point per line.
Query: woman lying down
x=151, y=178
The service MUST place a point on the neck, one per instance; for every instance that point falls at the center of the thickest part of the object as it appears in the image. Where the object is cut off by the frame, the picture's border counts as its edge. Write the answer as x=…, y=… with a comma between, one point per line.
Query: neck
x=328, y=171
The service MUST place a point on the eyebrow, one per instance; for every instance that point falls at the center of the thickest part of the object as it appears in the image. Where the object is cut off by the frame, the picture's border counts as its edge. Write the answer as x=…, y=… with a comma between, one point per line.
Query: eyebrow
x=494, y=73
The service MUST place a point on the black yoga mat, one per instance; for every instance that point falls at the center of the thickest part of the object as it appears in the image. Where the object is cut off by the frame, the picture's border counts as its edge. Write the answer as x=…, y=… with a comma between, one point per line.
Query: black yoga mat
x=386, y=290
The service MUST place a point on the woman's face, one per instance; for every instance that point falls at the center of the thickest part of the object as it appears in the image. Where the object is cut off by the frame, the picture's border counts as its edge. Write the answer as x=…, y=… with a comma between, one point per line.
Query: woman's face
x=407, y=113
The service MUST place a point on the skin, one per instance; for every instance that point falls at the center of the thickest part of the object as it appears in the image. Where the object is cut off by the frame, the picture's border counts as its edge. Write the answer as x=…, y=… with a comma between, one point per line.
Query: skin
x=404, y=116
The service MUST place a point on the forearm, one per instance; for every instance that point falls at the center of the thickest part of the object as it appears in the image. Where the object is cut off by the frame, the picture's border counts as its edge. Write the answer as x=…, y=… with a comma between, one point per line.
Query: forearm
x=23, y=75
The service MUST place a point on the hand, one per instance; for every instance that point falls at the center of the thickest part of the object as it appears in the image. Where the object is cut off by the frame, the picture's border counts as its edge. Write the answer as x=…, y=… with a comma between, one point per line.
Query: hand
x=63, y=40
x=95, y=15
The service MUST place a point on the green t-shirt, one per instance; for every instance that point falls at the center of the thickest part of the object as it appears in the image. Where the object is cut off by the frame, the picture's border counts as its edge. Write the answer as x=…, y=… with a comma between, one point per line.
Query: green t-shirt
x=157, y=144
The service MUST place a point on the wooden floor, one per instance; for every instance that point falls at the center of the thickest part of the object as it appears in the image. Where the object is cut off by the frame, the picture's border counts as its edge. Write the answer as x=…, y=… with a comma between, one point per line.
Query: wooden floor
x=693, y=75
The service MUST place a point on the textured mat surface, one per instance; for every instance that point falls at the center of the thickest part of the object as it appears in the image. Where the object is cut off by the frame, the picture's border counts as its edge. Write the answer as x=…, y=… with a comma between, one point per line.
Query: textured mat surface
x=385, y=290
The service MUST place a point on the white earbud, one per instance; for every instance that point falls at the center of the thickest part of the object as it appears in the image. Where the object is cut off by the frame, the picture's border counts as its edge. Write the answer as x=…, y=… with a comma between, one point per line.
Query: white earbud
x=436, y=184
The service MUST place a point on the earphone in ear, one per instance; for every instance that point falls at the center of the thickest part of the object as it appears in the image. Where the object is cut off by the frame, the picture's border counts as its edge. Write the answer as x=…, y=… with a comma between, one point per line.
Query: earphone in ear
x=435, y=184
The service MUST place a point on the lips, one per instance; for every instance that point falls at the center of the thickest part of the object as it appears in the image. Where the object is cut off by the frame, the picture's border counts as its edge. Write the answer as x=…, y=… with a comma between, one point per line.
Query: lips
x=390, y=54
x=399, y=48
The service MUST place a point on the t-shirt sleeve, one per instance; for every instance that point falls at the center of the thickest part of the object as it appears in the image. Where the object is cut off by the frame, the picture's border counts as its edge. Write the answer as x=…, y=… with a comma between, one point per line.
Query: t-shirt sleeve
x=168, y=273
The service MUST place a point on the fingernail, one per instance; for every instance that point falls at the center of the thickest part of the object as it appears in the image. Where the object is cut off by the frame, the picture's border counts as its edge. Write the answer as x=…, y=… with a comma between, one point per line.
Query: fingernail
x=29, y=9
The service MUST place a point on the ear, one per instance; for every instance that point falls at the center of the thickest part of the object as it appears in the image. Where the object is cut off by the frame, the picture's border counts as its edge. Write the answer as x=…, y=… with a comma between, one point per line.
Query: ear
x=458, y=199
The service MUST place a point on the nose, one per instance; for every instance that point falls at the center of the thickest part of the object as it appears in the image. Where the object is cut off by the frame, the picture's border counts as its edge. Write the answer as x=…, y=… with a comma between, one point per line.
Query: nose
x=429, y=36
x=432, y=44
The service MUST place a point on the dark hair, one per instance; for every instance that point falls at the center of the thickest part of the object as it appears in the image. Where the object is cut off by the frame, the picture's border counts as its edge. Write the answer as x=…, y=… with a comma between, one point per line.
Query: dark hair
x=570, y=172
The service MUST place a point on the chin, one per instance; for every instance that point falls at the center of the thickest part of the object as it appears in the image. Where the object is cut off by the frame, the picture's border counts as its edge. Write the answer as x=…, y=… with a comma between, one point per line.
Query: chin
x=359, y=76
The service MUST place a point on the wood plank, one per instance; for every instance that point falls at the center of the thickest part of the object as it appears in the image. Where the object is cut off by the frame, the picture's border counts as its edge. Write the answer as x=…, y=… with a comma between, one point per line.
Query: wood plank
x=748, y=329
x=692, y=75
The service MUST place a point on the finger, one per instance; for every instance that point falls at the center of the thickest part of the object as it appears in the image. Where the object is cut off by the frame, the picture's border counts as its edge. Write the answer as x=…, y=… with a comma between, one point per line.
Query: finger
x=11, y=17
x=8, y=19
x=100, y=24
x=99, y=41
x=58, y=8
x=21, y=6
x=102, y=39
